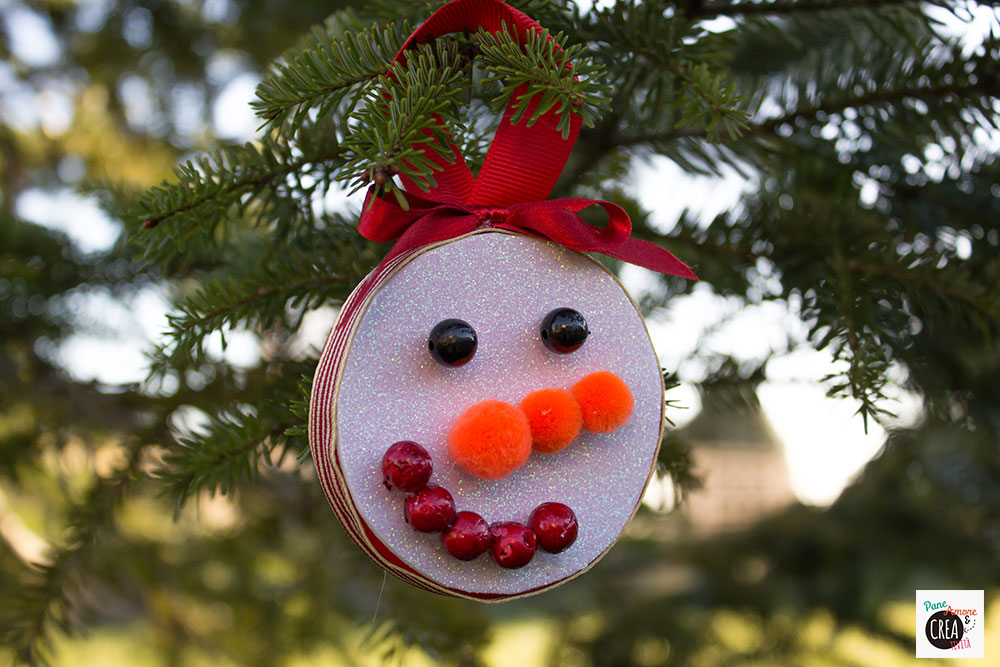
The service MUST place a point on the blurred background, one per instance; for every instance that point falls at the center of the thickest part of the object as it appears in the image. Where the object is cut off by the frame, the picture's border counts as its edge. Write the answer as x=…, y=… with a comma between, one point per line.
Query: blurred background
x=781, y=528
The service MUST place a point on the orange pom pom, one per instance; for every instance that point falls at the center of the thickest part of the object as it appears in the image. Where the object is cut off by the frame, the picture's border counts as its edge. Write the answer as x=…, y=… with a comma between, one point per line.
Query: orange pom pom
x=490, y=440
x=605, y=401
x=554, y=418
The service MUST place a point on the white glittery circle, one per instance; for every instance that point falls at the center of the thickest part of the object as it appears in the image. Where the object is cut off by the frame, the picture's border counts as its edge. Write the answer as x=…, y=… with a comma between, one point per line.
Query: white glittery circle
x=391, y=389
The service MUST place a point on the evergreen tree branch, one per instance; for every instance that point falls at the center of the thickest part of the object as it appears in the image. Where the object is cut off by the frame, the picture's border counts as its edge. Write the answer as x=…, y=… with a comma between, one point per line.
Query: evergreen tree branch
x=940, y=286
x=707, y=10
x=867, y=359
x=415, y=107
x=766, y=126
x=260, y=294
x=707, y=99
x=866, y=304
x=226, y=453
x=562, y=76
x=912, y=86
x=222, y=180
x=232, y=313
x=229, y=449
x=274, y=186
x=666, y=72
x=401, y=113
x=320, y=74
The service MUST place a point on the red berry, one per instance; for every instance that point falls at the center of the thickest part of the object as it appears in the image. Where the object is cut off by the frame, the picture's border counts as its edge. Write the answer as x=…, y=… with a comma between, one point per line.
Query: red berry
x=555, y=526
x=468, y=537
x=406, y=466
x=430, y=510
x=513, y=544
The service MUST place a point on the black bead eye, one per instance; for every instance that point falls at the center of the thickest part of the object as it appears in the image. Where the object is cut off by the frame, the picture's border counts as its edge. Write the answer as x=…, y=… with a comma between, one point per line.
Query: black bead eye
x=452, y=342
x=564, y=330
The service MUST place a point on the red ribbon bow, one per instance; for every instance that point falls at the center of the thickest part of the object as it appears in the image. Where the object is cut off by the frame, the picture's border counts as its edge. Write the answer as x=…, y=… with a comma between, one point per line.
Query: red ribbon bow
x=519, y=172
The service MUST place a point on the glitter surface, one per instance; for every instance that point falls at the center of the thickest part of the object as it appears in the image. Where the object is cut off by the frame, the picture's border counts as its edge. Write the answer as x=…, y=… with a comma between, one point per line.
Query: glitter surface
x=503, y=285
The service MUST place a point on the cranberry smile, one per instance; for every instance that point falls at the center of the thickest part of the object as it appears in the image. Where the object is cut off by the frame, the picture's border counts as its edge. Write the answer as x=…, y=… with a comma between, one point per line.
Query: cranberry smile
x=466, y=535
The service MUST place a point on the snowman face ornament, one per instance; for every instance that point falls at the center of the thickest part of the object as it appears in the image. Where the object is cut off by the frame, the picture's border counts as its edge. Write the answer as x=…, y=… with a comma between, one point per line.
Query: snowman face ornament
x=467, y=347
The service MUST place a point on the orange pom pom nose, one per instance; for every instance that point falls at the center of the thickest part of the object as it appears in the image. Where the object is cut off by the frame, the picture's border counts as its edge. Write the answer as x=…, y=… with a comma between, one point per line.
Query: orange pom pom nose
x=605, y=401
x=554, y=418
x=490, y=440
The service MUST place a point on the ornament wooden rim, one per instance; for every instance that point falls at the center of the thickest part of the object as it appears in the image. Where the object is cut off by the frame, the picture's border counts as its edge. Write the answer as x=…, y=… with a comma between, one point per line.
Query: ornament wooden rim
x=323, y=419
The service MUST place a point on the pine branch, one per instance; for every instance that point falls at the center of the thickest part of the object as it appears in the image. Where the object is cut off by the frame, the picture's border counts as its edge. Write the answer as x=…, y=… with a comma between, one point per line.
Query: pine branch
x=828, y=107
x=912, y=90
x=228, y=452
x=564, y=78
x=889, y=62
x=403, y=112
x=859, y=345
x=229, y=185
x=737, y=254
x=864, y=297
x=258, y=293
x=322, y=73
x=706, y=10
x=666, y=71
x=300, y=410
x=934, y=284
x=417, y=105
x=212, y=184
x=273, y=186
x=398, y=111
x=234, y=312
x=674, y=458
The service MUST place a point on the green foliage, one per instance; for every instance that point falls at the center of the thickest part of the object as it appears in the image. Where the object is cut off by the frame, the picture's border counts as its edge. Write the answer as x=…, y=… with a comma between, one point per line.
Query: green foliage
x=325, y=69
x=403, y=115
x=229, y=450
x=255, y=293
x=563, y=78
x=402, y=118
x=671, y=77
x=271, y=185
x=674, y=458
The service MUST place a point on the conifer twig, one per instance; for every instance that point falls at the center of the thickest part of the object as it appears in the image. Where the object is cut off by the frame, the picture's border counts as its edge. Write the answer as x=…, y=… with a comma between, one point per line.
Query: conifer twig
x=706, y=10
x=829, y=107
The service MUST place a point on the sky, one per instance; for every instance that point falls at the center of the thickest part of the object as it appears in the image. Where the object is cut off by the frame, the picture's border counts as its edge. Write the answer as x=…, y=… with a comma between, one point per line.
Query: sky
x=824, y=440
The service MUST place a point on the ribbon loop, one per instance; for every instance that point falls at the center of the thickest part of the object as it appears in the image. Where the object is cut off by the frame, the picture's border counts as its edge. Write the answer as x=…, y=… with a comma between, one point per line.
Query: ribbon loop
x=506, y=177
x=519, y=172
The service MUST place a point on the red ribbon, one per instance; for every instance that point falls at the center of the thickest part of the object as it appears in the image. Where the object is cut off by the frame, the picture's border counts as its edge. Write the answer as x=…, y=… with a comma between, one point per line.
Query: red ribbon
x=519, y=172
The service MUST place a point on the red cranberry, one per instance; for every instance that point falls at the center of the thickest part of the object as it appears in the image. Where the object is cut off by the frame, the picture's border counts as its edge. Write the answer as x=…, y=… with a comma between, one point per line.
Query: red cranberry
x=554, y=525
x=430, y=510
x=468, y=537
x=406, y=466
x=513, y=544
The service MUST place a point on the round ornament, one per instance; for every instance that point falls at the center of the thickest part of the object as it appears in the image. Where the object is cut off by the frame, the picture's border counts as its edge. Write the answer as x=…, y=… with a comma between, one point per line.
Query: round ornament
x=381, y=386
x=488, y=408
